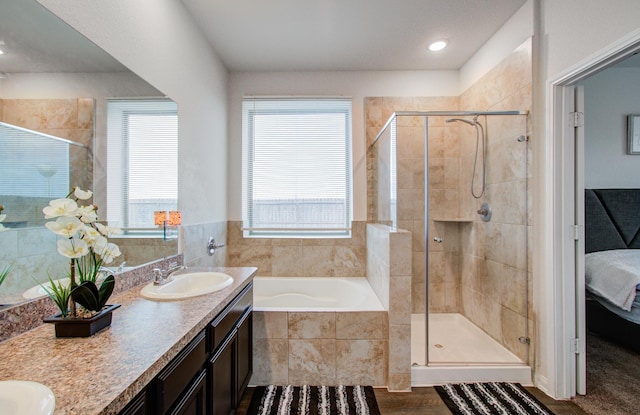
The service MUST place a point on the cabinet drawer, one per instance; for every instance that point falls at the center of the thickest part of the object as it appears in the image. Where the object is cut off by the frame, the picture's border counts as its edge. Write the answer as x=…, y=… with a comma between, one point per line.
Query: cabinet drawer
x=226, y=321
x=173, y=379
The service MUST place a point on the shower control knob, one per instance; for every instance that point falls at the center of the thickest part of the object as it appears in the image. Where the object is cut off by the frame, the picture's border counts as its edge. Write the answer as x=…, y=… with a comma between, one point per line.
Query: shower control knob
x=437, y=239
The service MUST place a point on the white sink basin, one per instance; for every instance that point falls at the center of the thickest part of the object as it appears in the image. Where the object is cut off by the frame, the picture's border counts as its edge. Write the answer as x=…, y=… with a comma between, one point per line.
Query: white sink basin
x=187, y=285
x=21, y=397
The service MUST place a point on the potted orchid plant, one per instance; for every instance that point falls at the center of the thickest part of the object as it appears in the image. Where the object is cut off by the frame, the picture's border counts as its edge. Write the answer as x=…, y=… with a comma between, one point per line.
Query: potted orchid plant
x=85, y=242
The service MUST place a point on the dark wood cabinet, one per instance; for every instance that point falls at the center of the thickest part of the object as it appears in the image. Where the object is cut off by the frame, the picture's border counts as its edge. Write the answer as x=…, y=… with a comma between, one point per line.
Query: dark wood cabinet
x=211, y=373
x=221, y=387
x=244, y=353
x=231, y=364
x=194, y=401
x=137, y=406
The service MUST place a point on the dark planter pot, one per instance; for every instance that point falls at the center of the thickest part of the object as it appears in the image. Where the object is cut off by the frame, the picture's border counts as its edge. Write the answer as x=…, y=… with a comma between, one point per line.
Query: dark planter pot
x=82, y=327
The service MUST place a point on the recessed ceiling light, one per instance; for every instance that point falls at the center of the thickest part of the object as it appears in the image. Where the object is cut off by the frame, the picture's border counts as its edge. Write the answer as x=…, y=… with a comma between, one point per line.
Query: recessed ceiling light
x=1, y=52
x=438, y=45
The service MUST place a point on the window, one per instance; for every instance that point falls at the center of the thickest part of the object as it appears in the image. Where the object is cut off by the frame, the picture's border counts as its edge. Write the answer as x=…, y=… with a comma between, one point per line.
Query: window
x=142, y=167
x=297, y=167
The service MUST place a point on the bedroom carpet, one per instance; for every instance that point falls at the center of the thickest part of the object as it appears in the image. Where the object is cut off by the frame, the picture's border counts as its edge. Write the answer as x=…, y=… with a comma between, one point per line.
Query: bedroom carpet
x=313, y=400
x=612, y=379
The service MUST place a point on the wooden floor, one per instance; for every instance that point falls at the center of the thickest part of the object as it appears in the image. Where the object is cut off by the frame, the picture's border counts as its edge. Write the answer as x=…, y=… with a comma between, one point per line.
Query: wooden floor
x=425, y=401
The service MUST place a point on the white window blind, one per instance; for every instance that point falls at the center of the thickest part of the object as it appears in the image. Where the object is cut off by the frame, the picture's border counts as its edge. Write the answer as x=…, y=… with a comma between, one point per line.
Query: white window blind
x=297, y=167
x=142, y=173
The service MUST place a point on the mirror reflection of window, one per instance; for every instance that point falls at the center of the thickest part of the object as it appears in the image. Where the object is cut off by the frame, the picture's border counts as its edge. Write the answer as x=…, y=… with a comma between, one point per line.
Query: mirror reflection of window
x=142, y=161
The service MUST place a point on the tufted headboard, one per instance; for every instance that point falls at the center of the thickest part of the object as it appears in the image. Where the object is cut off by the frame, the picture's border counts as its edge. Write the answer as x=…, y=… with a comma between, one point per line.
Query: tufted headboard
x=612, y=219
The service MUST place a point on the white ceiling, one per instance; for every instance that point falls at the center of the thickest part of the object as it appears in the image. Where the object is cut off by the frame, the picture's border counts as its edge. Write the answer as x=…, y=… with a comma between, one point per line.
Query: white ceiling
x=279, y=35
x=299, y=35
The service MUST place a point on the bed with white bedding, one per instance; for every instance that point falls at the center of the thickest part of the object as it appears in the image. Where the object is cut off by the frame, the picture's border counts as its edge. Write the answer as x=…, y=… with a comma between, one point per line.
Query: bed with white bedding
x=612, y=264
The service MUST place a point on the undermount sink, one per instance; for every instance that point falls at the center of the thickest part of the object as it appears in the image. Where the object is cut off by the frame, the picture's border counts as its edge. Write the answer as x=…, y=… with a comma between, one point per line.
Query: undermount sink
x=187, y=285
x=22, y=397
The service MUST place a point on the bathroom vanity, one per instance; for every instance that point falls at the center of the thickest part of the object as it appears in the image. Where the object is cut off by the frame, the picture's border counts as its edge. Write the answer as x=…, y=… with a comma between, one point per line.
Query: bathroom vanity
x=192, y=356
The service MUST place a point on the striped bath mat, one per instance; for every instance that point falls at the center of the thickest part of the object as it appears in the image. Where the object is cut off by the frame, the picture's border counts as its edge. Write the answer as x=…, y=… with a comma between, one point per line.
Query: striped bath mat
x=313, y=400
x=490, y=398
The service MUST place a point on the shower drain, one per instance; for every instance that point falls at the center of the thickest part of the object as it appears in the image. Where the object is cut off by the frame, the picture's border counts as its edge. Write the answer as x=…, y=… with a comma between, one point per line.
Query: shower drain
x=439, y=346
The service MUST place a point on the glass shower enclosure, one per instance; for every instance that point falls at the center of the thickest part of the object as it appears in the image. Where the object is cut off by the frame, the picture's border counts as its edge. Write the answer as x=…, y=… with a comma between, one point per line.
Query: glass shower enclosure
x=458, y=181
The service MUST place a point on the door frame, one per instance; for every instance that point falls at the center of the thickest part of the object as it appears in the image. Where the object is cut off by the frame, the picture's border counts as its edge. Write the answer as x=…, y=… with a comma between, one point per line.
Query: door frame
x=565, y=298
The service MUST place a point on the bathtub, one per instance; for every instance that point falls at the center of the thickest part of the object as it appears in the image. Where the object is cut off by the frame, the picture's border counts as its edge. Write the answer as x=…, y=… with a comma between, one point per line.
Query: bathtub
x=308, y=294
x=318, y=330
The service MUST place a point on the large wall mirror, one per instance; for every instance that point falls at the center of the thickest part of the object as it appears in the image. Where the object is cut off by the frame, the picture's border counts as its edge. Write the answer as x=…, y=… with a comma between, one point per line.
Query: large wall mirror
x=54, y=89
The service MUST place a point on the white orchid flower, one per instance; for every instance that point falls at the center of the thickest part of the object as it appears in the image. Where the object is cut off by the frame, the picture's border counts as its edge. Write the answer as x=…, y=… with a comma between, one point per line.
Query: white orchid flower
x=108, y=230
x=106, y=250
x=65, y=226
x=110, y=252
x=90, y=235
x=72, y=248
x=60, y=207
x=87, y=213
x=82, y=194
x=98, y=243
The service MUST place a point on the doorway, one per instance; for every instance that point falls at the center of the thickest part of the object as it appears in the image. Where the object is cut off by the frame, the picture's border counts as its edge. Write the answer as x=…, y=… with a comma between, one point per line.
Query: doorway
x=568, y=130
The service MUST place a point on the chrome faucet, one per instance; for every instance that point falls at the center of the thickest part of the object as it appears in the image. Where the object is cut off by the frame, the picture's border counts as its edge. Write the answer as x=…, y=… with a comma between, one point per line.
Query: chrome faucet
x=161, y=276
x=212, y=246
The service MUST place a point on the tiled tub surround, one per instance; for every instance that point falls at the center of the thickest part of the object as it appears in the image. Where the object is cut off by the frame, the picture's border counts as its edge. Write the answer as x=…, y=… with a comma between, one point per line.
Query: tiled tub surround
x=337, y=335
x=293, y=257
x=389, y=273
x=320, y=348
x=102, y=373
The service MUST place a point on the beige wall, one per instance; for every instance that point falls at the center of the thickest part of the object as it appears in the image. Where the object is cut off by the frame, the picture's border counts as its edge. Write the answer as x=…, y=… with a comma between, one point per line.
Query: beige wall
x=496, y=278
x=299, y=257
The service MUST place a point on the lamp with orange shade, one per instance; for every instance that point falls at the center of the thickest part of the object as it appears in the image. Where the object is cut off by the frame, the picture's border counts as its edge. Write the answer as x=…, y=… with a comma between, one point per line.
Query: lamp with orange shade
x=175, y=218
x=159, y=217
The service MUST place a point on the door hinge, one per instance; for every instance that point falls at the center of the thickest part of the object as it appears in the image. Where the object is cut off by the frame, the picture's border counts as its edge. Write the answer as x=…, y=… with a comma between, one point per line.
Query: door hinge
x=577, y=346
x=577, y=119
x=577, y=232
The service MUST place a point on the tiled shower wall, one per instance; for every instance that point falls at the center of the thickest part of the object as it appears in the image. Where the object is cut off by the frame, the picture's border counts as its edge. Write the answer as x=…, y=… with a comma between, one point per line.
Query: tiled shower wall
x=496, y=274
x=32, y=251
x=480, y=269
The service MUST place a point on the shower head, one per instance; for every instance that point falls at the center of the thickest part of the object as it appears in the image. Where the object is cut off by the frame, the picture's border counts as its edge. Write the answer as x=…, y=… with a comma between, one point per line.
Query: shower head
x=472, y=123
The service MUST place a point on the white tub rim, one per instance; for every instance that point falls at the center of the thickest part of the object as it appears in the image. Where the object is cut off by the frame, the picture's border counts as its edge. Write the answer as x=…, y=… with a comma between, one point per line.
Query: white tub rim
x=371, y=302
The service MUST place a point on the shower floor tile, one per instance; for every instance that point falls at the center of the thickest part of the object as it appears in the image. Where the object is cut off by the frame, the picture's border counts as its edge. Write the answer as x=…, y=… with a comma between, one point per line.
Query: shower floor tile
x=453, y=339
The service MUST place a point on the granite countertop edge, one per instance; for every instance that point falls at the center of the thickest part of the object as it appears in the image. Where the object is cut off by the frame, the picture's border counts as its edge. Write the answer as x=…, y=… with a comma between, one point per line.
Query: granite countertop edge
x=102, y=373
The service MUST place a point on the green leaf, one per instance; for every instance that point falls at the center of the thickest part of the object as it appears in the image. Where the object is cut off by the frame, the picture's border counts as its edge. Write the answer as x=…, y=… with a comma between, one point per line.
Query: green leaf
x=59, y=294
x=86, y=294
x=106, y=289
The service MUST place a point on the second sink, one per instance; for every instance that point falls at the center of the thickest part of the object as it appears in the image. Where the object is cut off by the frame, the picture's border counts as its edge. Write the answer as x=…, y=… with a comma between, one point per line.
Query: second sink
x=187, y=285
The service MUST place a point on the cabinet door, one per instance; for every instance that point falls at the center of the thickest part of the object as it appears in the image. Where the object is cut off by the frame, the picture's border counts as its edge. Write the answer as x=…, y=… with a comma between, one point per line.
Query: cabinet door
x=222, y=385
x=137, y=406
x=194, y=401
x=244, y=356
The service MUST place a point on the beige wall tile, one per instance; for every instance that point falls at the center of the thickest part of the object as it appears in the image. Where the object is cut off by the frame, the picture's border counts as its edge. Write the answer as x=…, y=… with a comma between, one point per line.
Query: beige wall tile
x=363, y=325
x=312, y=362
x=287, y=261
x=361, y=362
x=312, y=325
x=399, y=348
x=270, y=325
x=399, y=382
x=399, y=307
x=318, y=261
x=270, y=362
